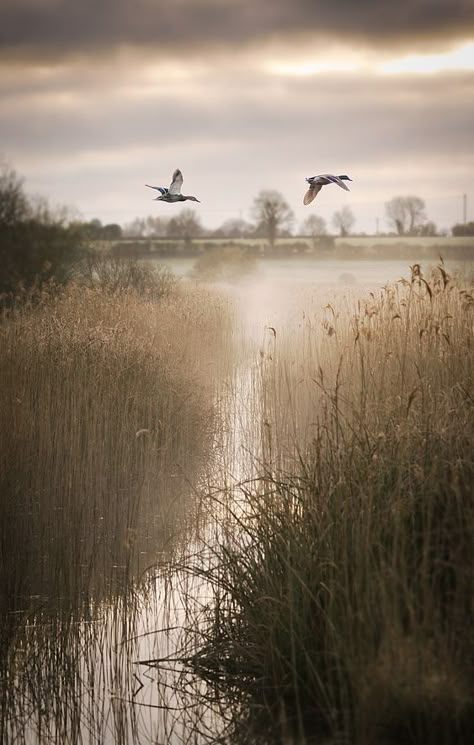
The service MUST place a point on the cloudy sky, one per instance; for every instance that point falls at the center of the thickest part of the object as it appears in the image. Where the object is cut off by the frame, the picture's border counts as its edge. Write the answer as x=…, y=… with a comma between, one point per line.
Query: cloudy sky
x=99, y=97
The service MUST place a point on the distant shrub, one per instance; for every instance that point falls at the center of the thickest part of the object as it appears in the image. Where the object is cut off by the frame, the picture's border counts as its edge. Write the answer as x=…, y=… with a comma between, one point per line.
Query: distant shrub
x=32, y=254
x=409, y=249
x=36, y=245
x=463, y=229
x=322, y=244
x=227, y=263
x=114, y=274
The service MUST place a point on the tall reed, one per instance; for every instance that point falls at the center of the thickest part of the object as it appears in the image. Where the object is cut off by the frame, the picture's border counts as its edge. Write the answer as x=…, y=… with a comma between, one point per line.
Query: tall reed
x=106, y=400
x=108, y=409
x=343, y=590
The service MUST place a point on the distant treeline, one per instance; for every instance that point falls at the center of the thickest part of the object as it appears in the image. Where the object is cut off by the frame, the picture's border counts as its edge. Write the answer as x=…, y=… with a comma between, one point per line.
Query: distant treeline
x=40, y=244
x=321, y=247
x=463, y=229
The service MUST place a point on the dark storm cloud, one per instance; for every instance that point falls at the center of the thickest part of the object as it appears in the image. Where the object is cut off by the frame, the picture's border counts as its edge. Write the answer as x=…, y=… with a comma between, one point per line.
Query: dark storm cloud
x=75, y=25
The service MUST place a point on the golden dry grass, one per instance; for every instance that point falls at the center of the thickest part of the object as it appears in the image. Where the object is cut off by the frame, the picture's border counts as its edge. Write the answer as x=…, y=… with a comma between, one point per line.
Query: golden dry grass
x=344, y=596
x=106, y=399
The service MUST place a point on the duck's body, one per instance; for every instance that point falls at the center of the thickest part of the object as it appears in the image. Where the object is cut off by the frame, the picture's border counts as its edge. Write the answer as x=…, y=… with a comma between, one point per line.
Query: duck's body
x=316, y=183
x=173, y=193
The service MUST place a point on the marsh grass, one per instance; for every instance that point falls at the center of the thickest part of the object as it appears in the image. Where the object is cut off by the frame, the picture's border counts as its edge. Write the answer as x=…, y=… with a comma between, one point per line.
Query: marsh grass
x=73, y=679
x=343, y=589
x=114, y=274
x=103, y=396
x=108, y=408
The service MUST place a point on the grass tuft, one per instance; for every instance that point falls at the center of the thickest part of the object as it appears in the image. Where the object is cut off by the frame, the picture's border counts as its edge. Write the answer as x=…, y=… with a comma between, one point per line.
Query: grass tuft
x=343, y=587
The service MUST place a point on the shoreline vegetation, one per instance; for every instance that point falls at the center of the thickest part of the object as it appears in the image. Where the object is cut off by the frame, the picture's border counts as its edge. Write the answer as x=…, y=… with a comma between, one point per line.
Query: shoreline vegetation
x=108, y=400
x=107, y=393
x=343, y=586
x=460, y=248
x=336, y=596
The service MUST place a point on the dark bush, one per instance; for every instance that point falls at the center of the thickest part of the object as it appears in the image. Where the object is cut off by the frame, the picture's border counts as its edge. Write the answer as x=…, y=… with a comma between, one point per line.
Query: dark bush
x=35, y=245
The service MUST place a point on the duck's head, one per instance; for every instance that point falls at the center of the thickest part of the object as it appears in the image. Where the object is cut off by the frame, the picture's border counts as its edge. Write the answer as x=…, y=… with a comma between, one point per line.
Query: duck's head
x=345, y=178
x=193, y=199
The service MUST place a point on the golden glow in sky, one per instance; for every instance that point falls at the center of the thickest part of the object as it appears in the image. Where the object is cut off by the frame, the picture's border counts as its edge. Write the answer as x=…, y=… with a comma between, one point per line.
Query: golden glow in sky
x=307, y=68
x=460, y=58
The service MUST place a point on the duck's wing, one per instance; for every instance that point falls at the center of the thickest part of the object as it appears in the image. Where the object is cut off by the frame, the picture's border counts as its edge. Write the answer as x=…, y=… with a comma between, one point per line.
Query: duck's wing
x=176, y=182
x=312, y=192
x=331, y=179
x=162, y=189
x=323, y=180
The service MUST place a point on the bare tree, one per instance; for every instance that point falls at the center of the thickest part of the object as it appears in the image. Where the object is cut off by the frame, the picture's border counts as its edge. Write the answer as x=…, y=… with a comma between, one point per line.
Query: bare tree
x=396, y=214
x=136, y=228
x=234, y=227
x=314, y=225
x=344, y=220
x=147, y=227
x=186, y=225
x=156, y=227
x=14, y=205
x=60, y=214
x=114, y=274
x=405, y=213
x=426, y=229
x=35, y=243
x=272, y=214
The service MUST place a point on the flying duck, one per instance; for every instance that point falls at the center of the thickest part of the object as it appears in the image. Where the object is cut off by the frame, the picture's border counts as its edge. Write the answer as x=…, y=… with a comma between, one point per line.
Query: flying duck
x=316, y=183
x=173, y=193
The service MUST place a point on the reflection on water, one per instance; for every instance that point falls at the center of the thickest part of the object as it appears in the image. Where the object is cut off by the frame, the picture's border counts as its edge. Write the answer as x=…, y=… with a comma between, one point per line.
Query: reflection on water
x=96, y=679
x=109, y=665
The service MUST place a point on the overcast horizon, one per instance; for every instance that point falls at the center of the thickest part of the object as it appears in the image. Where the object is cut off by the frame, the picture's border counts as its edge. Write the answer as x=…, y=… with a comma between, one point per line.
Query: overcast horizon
x=98, y=99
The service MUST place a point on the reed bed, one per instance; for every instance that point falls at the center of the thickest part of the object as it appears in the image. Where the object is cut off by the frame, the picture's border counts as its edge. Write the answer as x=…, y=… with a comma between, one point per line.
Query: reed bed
x=107, y=402
x=109, y=410
x=343, y=587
